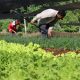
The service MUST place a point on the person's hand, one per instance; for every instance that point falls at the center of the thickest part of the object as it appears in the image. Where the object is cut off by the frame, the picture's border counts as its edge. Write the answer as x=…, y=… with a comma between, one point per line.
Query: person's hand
x=27, y=19
x=50, y=32
x=14, y=31
x=32, y=23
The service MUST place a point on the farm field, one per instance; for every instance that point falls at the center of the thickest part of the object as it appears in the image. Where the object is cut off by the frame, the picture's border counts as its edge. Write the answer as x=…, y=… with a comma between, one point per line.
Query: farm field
x=38, y=58
x=31, y=62
x=29, y=56
x=58, y=41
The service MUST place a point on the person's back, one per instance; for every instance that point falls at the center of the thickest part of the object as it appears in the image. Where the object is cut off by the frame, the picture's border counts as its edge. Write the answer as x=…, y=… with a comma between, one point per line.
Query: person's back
x=45, y=16
x=48, y=13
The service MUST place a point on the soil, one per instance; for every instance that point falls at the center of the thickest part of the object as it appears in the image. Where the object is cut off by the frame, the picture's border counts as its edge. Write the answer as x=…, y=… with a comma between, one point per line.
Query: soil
x=55, y=51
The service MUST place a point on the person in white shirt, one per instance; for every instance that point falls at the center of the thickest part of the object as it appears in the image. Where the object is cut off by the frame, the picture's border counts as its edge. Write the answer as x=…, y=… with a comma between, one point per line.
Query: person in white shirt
x=46, y=19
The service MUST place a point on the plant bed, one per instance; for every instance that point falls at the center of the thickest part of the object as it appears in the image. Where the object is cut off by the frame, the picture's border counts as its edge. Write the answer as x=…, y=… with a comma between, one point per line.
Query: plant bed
x=59, y=51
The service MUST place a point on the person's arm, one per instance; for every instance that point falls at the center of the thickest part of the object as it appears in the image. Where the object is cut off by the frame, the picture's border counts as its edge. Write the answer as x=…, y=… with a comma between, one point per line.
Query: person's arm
x=33, y=23
x=22, y=25
x=13, y=31
x=34, y=20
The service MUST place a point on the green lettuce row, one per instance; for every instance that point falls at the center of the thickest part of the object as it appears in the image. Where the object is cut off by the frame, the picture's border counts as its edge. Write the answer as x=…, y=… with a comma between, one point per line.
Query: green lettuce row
x=20, y=62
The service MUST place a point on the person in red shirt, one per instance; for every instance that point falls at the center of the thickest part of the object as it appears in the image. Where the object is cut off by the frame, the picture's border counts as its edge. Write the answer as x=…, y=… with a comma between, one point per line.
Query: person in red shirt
x=12, y=26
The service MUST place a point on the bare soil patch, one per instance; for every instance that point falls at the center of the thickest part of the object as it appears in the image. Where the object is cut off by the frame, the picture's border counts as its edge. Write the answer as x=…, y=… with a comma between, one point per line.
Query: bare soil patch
x=56, y=51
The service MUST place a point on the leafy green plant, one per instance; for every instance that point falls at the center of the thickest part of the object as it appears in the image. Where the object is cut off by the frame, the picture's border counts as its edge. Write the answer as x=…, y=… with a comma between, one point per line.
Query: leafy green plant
x=31, y=28
x=4, y=23
x=20, y=62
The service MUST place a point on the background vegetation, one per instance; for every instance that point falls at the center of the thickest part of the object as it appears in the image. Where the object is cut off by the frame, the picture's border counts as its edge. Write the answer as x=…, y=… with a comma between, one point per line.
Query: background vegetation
x=72, y=17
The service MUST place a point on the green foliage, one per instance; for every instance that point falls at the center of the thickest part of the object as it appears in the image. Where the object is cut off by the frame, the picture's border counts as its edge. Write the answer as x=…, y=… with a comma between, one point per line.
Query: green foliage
x=70, y=17
x=73, y=18
x=28, y=9
x=31, y=28
x=20, y=62
x=4, y=23
x=69, y=42
x=70, y=28
x=1, y=26
x=32, y=8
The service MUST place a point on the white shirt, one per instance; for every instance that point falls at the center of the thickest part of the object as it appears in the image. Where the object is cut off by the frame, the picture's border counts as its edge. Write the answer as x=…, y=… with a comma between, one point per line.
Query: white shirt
x=45, y=16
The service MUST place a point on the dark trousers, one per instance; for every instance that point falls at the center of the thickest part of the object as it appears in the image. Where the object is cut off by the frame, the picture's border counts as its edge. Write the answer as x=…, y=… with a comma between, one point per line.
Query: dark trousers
x=44, y=29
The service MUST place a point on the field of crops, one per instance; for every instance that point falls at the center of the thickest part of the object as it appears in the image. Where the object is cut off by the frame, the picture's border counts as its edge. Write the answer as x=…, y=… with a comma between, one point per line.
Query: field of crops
x=72, y=43
x=24, y=58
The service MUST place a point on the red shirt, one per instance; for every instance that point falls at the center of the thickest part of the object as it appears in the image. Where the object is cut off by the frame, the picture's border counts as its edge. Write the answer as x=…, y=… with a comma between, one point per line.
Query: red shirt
x=11, y=27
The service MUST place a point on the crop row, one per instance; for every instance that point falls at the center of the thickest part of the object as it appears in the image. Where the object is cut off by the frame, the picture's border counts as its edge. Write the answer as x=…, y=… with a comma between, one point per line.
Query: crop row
x=72, y=43
x=30, y=62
